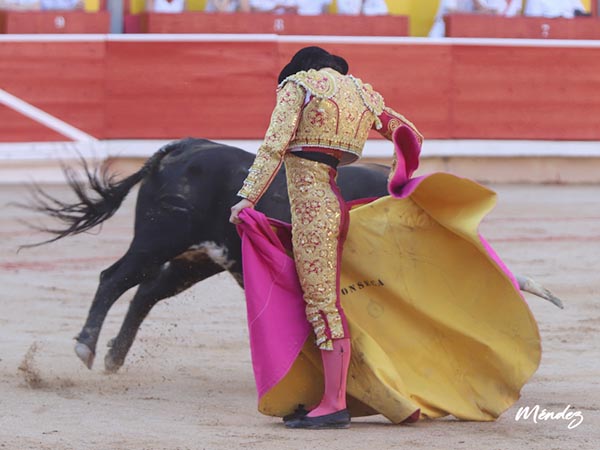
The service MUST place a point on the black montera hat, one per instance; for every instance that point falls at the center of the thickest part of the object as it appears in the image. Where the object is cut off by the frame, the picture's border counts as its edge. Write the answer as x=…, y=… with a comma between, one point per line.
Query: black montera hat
x=313, y=58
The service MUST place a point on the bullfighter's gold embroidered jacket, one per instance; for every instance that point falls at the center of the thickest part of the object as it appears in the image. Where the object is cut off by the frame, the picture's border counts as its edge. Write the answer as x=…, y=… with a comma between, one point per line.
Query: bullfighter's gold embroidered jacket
x=320, y=109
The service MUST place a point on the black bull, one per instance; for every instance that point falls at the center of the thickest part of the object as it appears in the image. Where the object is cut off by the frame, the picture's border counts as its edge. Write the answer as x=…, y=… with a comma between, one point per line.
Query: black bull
x=182, y=234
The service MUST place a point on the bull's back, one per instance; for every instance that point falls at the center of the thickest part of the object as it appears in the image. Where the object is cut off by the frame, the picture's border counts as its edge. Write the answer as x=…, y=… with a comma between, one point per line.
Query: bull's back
x=363, y=181
x=206, y=176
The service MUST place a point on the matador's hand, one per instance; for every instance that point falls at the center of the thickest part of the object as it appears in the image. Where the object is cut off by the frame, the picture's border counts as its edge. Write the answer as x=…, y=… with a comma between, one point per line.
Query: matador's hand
x=237, y=209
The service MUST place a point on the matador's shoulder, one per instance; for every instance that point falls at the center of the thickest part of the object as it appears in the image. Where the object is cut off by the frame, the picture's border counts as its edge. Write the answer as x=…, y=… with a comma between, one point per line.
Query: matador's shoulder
x=372, y=99
x=320, y=83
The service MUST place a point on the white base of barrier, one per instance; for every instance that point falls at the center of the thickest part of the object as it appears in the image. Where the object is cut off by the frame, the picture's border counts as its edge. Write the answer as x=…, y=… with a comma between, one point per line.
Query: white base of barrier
x=484, y=160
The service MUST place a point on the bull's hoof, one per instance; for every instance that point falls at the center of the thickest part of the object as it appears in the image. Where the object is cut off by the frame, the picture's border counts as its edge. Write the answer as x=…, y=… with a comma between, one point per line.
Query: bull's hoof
x=111, y=365
x=86, y=355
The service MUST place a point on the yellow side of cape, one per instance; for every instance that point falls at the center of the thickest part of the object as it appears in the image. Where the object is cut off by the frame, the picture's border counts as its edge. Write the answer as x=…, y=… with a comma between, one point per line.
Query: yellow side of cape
x=435, y=323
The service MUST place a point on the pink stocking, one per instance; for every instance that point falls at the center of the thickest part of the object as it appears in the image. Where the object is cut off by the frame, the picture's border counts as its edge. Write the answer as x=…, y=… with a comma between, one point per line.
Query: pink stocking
x=335, y=370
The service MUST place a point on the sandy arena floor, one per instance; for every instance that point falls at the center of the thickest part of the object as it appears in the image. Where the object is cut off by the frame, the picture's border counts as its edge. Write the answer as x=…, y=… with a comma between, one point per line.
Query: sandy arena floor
x=188, y=383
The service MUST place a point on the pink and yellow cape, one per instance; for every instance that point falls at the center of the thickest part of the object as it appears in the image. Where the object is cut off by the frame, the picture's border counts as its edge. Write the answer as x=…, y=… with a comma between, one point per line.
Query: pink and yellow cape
x=437, y=322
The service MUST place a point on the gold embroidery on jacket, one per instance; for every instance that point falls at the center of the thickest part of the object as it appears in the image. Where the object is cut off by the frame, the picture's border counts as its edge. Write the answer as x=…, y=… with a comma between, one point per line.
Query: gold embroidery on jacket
x=371, y=99
x=320, y=83
x=340, y=113
x=393, y=123
x=269, y=157
x=397, y=120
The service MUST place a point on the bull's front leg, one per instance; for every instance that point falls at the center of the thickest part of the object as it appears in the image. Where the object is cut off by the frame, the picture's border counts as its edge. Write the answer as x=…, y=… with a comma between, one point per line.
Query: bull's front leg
x=114, y=281
x=175, y=276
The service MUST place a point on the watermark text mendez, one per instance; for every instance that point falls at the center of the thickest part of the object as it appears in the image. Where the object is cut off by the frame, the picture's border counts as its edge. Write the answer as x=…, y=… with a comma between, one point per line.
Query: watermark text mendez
x=537, y=414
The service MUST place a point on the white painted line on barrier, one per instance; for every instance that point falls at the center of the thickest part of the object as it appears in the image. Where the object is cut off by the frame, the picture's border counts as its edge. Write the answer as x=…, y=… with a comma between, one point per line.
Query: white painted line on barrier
x=491, y=42
x=53, y=151
x=435, y=148
x=53, y=37
x=462, y=148
x=44, y=118
x=188, y=37
x=223, y=37
x=41, y=161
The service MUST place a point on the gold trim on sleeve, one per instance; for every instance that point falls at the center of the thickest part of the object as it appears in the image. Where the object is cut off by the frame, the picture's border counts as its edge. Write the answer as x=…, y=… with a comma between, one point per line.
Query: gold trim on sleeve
x=284, y=120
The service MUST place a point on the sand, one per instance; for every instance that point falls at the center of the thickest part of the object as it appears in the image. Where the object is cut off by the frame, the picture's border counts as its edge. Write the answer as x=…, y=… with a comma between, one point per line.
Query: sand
x=188, y=383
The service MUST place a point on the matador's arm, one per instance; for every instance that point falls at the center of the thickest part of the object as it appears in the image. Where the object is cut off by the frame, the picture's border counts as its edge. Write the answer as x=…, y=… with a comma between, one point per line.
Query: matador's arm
x=390, y=120
x=284, y=121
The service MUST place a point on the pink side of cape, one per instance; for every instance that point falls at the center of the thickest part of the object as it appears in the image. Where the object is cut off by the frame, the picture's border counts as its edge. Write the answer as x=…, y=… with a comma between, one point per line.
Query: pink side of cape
x=277, y=324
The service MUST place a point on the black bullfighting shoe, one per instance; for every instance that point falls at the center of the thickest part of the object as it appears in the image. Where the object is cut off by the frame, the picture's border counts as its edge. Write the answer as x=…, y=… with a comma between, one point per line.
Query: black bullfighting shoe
x=297, y=414
x=336, y=420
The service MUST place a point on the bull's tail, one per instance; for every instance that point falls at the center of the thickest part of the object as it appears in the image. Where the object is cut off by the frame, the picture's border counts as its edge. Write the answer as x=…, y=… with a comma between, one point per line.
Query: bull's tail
x=90, y=210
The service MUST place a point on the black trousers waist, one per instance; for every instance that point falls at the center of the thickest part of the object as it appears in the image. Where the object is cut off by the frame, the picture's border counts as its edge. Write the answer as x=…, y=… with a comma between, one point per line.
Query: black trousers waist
x=324, y=158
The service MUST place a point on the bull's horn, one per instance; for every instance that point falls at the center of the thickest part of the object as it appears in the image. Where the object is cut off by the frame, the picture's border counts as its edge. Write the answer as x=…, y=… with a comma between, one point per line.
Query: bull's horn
x=526, y=284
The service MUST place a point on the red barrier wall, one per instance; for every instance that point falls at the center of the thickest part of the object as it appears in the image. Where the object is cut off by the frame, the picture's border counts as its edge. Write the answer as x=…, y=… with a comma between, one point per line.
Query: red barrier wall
x=525, y=92
x=15, y=127
x=489, y=26
x=65, y=79
x=17, y=22
x=176, y=89
x=223, y=88
x=283, y=24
